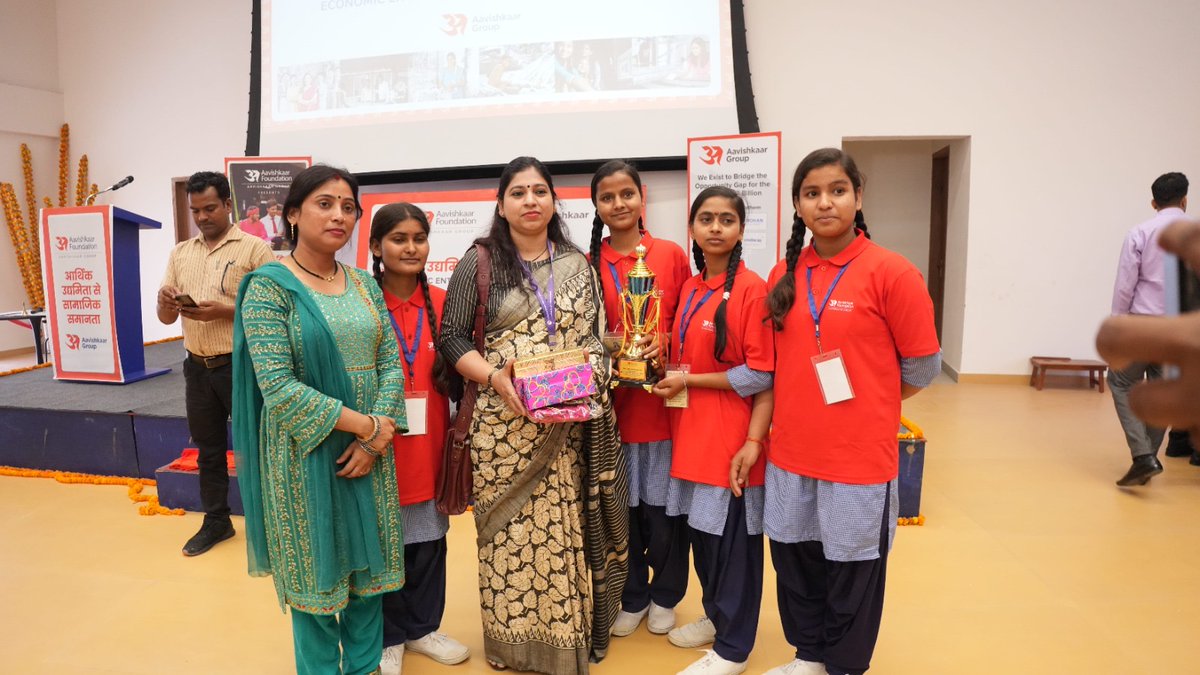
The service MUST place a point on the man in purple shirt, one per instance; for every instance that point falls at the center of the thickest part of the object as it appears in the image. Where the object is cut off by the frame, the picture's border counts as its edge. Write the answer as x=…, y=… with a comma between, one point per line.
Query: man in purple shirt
x=1139, y=290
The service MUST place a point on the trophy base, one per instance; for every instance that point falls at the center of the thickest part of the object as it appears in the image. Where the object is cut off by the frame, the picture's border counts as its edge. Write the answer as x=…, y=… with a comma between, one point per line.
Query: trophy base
x=634, y=373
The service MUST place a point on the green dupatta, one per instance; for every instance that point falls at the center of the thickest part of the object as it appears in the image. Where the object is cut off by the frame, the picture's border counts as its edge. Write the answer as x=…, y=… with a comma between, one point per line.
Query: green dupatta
x=346, y=543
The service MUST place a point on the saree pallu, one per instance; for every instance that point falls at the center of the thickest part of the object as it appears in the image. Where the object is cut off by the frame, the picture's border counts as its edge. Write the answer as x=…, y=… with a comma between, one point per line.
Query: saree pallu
x=550, y=499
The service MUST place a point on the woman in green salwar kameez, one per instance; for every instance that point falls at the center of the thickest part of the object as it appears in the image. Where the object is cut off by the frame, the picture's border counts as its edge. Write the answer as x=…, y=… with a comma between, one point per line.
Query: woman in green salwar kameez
x=318, y=394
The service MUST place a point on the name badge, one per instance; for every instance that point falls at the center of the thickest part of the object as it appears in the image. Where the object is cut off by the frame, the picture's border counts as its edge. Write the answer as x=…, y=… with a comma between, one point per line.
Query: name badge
x=416, y=406
x=832, y=376
x=679, y=400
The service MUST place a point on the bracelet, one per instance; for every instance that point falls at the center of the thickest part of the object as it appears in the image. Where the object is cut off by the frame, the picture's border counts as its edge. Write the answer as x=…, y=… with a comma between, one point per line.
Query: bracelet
x=374, y=434
x=369, y=450
x=751, y=439
x=489, y=380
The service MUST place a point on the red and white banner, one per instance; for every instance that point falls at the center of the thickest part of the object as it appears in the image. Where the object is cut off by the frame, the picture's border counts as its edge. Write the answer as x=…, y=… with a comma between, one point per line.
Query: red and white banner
x=751, y=165
x=77, y=256
x=458, y=217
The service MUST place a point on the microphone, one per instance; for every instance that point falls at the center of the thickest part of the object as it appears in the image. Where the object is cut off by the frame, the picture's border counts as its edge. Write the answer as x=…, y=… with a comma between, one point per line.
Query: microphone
x=115, y=186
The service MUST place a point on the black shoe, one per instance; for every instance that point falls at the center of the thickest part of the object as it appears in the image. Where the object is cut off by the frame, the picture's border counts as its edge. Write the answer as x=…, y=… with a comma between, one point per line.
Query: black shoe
x=1179, y=444
x=1195, y=460
x=211, y=534
x=1144, y=468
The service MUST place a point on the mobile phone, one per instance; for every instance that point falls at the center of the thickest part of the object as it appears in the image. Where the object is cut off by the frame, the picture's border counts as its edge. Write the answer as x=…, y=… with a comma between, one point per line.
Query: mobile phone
x=185, y=300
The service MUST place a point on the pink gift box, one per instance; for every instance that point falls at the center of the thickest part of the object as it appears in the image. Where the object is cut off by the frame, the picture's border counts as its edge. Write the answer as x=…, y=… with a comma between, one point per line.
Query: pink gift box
x=556, y=386
x=571, y=412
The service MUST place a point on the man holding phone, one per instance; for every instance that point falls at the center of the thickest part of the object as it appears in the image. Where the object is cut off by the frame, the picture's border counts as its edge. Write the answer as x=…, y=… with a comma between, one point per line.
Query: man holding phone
x=1139, y=289
x=200, y=285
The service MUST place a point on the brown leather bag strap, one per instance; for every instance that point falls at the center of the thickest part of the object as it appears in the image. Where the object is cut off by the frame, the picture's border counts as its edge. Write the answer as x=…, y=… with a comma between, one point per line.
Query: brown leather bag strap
x=483, y=285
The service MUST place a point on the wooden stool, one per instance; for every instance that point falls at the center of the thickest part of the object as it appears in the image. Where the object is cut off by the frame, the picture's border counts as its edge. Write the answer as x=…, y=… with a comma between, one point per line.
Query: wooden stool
x=1095, y=370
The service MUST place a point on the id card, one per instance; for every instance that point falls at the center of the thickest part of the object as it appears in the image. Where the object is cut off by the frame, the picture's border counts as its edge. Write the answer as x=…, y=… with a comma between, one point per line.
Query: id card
x=416, y=407
x=832, y=376
x=679, y=400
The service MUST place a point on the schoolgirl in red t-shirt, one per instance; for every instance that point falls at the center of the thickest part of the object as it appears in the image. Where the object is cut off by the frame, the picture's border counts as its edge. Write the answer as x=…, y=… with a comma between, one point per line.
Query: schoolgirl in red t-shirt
x=411, y=616
x=854, y=335
x=722, y=336
x=657, y=541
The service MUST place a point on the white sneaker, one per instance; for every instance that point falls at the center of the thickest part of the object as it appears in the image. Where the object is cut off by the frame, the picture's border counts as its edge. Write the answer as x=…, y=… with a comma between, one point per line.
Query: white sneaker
x=799, y=667
x=392, y=661
x=441, y=648
x=692, y=635
x=713, y=664
x=662, y=619
x=627, y=622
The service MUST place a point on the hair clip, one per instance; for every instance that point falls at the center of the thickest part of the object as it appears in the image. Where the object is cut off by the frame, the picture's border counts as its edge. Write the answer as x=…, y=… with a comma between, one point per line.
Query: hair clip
x=725, y=295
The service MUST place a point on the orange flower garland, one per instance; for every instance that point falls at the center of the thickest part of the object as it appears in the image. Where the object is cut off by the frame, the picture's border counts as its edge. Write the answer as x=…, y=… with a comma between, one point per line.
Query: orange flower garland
x=149, y=503
x=91, y=191
x=20, y=240
x=918, y=520
x=64, y=163
x=81, y=182
x=30, y=195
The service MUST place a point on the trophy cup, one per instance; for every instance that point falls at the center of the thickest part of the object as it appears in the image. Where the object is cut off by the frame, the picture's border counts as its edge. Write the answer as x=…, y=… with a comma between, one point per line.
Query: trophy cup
x=640, y=305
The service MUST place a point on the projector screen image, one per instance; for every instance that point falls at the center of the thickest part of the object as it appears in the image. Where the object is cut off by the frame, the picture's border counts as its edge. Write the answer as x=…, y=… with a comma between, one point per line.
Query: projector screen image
x=380, y=85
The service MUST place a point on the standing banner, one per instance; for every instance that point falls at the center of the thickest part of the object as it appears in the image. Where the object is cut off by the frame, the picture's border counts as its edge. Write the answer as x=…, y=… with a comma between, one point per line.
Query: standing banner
x=751, y=164
x=93, y=293
x=458, y=217
x=258, y=186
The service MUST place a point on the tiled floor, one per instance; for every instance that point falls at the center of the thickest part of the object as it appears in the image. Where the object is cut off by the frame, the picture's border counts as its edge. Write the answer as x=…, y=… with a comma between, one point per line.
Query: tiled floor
x=1031, y=561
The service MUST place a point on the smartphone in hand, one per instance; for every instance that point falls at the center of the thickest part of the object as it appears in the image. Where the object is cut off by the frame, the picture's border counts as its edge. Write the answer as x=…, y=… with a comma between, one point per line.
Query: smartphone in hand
x=185, y=300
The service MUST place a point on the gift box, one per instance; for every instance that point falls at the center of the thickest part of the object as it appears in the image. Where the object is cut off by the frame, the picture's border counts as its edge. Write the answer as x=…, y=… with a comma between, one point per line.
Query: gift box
x=566, y=412
x=570, y=383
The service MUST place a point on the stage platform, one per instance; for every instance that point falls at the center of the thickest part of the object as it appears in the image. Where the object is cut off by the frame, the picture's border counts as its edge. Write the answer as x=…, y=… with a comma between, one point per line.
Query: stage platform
x=109, y=429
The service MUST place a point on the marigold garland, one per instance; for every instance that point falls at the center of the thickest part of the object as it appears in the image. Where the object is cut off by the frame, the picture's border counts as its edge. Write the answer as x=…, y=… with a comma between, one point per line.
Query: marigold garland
x=149, y=503
x=21, y=245
x=92, y=189
x=30, y=194
x=81, y=181
x=917, y=520
x=64, y=162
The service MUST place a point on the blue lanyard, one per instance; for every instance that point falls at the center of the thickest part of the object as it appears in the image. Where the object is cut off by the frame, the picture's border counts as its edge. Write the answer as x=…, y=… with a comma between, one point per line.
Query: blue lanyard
x=685, y=319
x=612, y=269
x=545, y=299
x=410, y=353
x=812, y=302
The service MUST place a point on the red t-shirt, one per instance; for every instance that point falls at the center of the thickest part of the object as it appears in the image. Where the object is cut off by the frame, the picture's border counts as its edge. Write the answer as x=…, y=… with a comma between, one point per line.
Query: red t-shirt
x=641, y=416
x=713, y=428
x=418, y=458
x=879, y=312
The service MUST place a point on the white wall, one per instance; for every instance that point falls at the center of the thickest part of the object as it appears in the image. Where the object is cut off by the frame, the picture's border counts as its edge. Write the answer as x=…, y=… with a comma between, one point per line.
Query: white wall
x=1069, y=112
x=1072, y=108
x=157, y=90
x=899, y=176
x=31, y=113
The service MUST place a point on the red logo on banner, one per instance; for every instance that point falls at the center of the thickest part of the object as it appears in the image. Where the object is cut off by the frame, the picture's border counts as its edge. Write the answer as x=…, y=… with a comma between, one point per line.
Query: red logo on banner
x=72, y=342
x=429, y=217
x=61, y=243
x=712, y=154
x=456, y=24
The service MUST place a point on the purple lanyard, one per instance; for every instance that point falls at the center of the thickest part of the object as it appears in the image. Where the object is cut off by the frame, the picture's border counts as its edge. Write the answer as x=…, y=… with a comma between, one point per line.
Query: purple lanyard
x=410, y=353
x=545, y=299
x=686, y=319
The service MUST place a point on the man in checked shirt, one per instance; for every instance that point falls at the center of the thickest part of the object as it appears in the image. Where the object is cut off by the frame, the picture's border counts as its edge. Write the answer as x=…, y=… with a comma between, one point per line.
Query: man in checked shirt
x=201, y=284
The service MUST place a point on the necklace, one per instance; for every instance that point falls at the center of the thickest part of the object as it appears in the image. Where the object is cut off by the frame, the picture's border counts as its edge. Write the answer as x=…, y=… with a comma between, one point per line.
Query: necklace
x=327, y=279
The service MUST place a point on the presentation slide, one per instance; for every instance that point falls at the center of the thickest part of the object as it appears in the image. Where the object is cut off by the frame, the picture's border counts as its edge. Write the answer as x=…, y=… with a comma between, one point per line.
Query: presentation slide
x=378, y=85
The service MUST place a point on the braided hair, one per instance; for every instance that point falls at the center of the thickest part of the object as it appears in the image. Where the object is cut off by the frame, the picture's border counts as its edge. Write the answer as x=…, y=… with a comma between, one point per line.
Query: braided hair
x=783, y=294
x=610, y=168
x=385, y=220
x=720, y=324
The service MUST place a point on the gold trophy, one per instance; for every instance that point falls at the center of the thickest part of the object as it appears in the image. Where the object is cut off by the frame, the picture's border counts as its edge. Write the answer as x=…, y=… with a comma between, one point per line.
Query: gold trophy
x=640, y=305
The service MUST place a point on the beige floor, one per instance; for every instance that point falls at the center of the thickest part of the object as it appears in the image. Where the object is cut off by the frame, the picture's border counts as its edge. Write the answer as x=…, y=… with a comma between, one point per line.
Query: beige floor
x=1031, y=562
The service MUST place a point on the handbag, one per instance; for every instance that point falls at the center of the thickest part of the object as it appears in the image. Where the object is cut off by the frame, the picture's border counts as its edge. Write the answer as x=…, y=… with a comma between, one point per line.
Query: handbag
x=453, y=489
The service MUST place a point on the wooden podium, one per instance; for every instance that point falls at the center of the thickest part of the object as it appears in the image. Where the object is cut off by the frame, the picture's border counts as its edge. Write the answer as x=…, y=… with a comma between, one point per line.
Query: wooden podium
x=90, y=263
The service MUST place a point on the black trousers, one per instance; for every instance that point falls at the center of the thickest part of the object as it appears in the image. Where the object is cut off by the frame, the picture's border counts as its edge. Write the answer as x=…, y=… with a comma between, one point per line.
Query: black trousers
x=209, y=395
x=416, y=610
x=831, y=611
x=657, y=542
x=730, y=569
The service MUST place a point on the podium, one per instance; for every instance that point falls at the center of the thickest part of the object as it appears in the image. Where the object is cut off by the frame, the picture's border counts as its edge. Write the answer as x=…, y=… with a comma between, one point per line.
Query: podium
x=90, y=264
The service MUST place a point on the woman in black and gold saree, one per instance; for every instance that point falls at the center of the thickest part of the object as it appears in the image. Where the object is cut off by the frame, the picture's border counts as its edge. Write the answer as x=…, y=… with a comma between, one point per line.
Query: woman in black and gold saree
x=550, y=499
